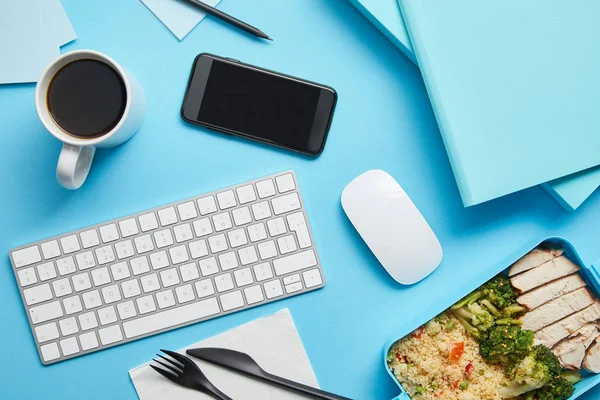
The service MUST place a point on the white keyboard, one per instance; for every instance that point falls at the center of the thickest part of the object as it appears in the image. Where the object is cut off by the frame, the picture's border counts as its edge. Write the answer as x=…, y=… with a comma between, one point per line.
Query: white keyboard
x=167, y=267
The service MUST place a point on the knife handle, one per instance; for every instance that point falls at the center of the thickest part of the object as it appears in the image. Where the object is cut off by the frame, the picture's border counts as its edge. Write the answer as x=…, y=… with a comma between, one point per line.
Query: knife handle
x=299, y=387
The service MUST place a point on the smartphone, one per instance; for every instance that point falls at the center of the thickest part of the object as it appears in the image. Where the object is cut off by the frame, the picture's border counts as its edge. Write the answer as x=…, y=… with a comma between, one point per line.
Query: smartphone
x=243, y=100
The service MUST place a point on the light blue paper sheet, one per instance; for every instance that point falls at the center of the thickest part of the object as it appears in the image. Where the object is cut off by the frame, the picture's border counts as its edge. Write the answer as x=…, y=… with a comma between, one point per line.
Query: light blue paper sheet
x=179, y=16
x=61, y=26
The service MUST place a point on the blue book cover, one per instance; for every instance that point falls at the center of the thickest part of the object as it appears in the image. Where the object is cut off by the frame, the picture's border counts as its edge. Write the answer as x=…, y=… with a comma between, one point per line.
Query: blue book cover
x=514, y=111
x=570, y=191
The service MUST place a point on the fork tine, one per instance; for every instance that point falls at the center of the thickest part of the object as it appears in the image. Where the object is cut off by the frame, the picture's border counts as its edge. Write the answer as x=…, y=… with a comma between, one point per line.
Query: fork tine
x=182, y=359
x=164, y=373
x=169, y=367
x=173, y=362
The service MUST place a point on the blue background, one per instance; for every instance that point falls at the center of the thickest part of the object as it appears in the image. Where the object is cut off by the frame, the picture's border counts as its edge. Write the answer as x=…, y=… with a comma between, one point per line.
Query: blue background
x=383, y=120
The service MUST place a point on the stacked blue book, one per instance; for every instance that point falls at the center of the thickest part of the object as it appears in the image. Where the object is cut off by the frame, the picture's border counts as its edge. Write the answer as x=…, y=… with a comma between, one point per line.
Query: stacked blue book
x=522, y=114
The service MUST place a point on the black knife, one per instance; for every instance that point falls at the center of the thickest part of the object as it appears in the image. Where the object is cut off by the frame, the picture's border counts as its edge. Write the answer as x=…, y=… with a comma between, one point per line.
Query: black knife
x=246, y=365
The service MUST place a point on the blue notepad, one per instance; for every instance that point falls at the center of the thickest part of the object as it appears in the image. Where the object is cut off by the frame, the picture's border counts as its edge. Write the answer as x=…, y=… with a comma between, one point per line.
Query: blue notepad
x=514, y=86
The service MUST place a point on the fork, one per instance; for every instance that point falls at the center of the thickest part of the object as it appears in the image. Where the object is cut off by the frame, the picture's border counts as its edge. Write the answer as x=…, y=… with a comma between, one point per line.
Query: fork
x=183, y=371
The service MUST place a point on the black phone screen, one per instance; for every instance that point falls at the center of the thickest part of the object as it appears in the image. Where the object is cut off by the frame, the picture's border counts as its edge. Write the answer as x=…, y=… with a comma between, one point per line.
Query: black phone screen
x=263, y=105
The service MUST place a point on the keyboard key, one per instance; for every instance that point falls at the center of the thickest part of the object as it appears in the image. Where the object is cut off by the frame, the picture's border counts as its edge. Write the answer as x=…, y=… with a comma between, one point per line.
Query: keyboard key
x=169, y=277
x=224, y=282
x=130, y=288
x=294, y=287
x=72, y=305
x=68, y=326
x=312, y=278
x=253, y=294
x=91, y=299
x=183, y=233
x=263, y=271
x=243, y=277
x=166, y=319
x=198, y=248
x=228, y=261
x=146, y=304
x=165, y=299
x=265, y=188
x=150, y=283
x=69, y=346
x=248, y=255
x=184, y=293
x=88, y=341
x=88, y=321
x=70, y=244
x=143, y=244
x=126, y=310
x=257, y=232
x=187, y=211
x=120, y=271
x=66, y=265
x=163, y=238
x=237, y=238
x=273, y=289
x=287, y=244
x=202, y=227
x=107, y=315
x=167, y=216
x=101, y=276
x=159, y=260
x=111, y=294
x=85, y=260
x=204, y=288
x=62, y=287
x=217, y=243
x=45, y=312
x=189, y=272
x=109, y=233
x=148, y=222
x=261, y=210
x=45, y=333
x=208, y=266
x=110, y=335
x=267, y=249
x=46, y=271
x=50, y=249
x=179, y=254
x=276, y=226
x=105, y=255
x=81, y=282
x=285, y=183
x=27, y=276
x=207, y=205
x=295, y=262
x=241, y=216
x=89, y=238
x=232, y=300
x=226, y=199
x=27, y=256
x=288, y=280
x=246, y=194
x=124, y=249
x=128, y=227
x=287, y=203
x=50, y=352
x=37, y=294
x=222, y=221
x=139, y=265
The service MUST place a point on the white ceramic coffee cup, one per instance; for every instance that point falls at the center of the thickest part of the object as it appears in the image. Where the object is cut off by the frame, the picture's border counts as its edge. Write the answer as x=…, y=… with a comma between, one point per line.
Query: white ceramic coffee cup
x=77, y=153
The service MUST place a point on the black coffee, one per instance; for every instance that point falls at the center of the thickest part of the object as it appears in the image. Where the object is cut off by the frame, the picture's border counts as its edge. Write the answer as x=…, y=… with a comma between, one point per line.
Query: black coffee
x=87, y=98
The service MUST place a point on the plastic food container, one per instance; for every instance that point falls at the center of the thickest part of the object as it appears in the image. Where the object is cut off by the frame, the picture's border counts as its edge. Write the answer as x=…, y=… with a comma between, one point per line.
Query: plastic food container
x=591, y=274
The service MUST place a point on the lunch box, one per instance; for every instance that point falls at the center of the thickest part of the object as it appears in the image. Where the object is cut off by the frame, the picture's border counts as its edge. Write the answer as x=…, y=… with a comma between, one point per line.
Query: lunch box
x=591, y=274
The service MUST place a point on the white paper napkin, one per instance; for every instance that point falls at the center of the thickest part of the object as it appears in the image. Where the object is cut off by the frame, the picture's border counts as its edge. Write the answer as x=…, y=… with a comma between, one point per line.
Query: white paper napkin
x=272, y=341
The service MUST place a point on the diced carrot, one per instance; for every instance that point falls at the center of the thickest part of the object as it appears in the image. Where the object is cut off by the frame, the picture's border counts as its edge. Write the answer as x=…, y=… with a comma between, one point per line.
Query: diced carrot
x=456, y=351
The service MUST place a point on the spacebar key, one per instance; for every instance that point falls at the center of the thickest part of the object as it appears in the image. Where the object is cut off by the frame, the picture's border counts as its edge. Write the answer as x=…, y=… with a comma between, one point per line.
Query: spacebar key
x=171, y=318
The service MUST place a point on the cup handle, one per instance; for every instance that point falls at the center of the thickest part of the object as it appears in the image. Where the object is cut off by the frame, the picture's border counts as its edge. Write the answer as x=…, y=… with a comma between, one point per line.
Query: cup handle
x=74, y=165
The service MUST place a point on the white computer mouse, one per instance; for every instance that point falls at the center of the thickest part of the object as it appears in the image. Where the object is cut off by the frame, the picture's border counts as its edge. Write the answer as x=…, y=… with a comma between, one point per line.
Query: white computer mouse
x=392, y=226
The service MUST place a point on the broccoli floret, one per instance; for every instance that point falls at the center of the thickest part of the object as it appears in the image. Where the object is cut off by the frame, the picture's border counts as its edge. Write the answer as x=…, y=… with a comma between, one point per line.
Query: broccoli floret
x=469, y=299
x=499, y=292
x=506, y=345
x=509, y=321
x=557, y=389
x=539, y=368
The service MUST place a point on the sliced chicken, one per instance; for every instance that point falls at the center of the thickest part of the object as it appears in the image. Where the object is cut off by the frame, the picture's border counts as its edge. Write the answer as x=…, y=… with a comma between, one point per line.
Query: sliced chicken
x=591, y=362
x=547, y=272
x=571, y=352
x=557, y=309
x=551, y=291
x=534, y=258
x=558, y=331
